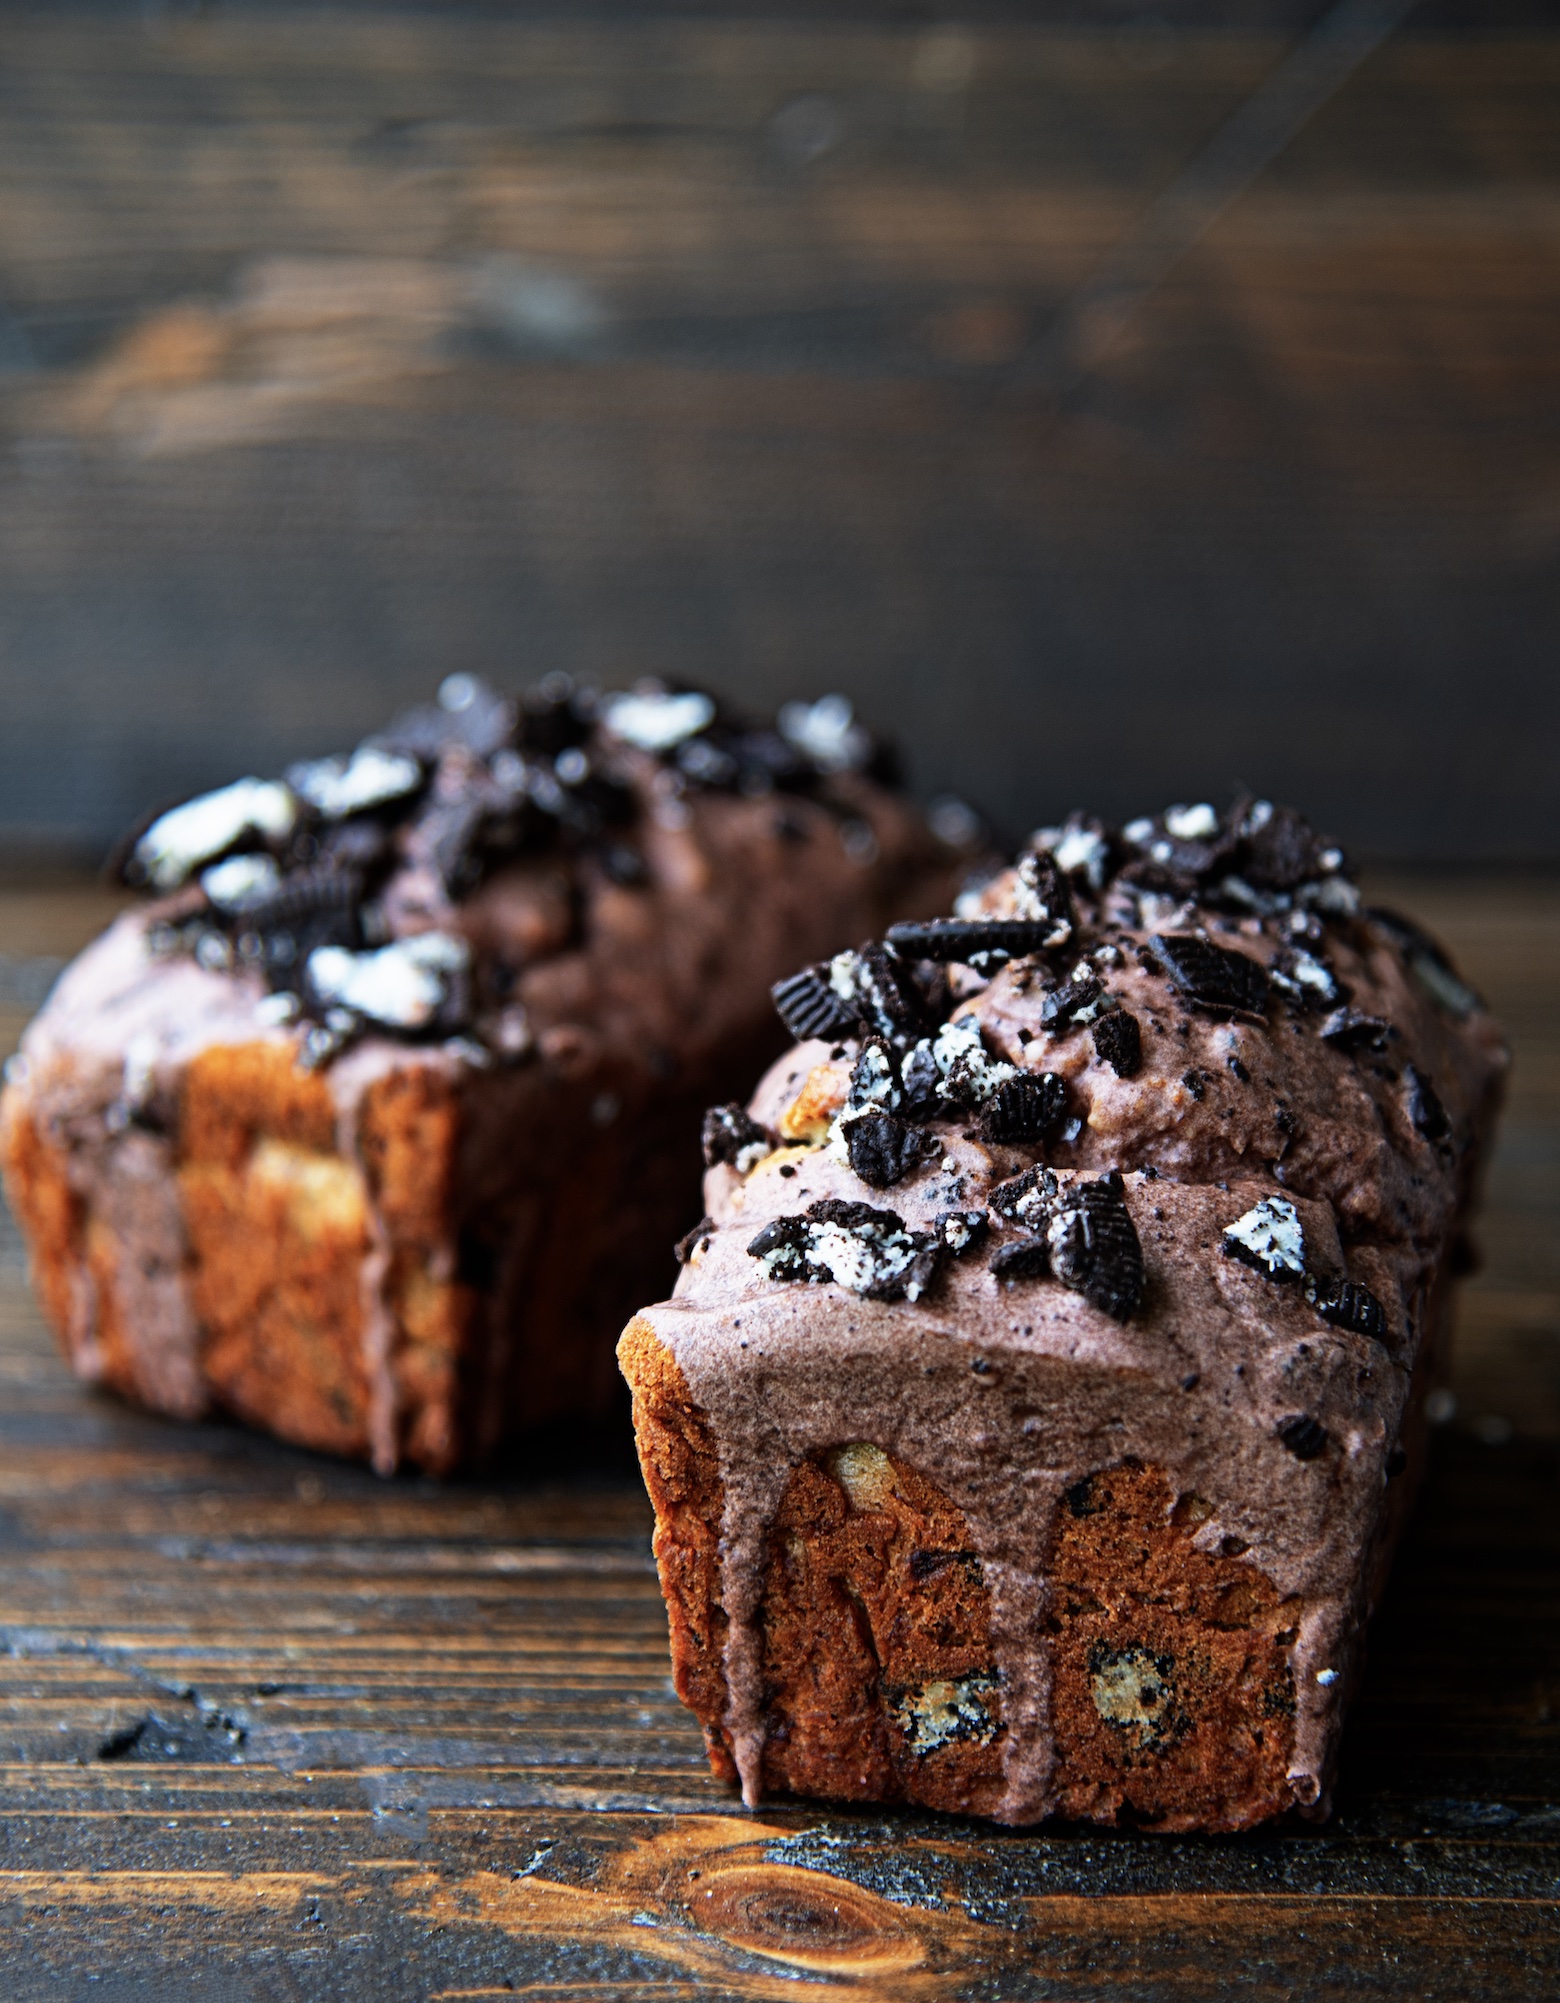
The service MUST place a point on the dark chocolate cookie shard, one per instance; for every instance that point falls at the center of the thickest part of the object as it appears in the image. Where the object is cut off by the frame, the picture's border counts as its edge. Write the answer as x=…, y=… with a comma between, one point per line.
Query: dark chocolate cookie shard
x=1094, y=1245
x=1074, y=1001
x=1022, y=1259
x=1425, y=1108
x=868, y=992
x=780, y=1237
x=1304, y=1436
x=887, y=998
x=731, y=1135
x=1023, y=1197
x=1280, y=850
x=1082, y=1233
x=1346, y=1304
x=300, y=897
x=964, y=939
x=691, y=1241
x=809, y=1007
x=961, y=1230
x=1118, y=1040
x=884, y=1149
x=1428, y=963
x=1349, y=1029
x=1212, y=976
x=1025, y=1110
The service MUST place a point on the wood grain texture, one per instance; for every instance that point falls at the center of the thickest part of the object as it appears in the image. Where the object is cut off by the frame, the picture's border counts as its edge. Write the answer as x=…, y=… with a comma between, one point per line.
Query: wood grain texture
x=275, y=1731
x=335, y=359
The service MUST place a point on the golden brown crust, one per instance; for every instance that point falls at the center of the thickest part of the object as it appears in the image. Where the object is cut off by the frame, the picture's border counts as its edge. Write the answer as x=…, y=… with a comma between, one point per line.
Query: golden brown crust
x=38, y=1189
x=278, y=1227
x=233, y=1092
x=682, y=1473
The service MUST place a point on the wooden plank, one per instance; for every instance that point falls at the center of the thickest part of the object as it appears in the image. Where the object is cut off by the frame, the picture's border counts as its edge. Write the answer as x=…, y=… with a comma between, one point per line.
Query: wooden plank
x=272, y=1729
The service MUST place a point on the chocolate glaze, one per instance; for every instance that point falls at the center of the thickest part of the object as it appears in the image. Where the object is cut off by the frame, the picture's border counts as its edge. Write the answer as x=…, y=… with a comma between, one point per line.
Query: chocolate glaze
x=1009, y=1393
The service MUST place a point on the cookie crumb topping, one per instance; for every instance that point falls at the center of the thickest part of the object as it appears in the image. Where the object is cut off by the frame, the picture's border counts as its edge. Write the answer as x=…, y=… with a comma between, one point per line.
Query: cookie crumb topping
x=347, y=856
x=1269, y=1237
x=1173, y=893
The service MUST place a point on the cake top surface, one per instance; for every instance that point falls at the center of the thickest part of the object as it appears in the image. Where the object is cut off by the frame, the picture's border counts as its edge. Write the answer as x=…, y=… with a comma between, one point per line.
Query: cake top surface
x=1196, y=1006
x=407, y=890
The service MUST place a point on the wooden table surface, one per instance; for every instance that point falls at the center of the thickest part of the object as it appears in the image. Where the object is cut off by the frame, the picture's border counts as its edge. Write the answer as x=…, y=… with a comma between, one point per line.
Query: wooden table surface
x=273, y=1729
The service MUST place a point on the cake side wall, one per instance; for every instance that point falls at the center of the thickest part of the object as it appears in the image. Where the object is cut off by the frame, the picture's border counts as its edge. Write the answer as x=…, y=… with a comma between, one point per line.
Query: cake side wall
x=51, y=1213
x=681, y=1470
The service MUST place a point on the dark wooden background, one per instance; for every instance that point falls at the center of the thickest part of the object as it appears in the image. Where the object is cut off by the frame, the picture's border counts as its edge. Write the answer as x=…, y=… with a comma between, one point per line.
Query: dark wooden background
x=341, y=348
x=274, y=1731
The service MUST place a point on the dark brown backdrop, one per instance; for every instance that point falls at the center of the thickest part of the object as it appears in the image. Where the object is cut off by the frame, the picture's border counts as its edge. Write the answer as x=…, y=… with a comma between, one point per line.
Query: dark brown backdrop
x=345, y=348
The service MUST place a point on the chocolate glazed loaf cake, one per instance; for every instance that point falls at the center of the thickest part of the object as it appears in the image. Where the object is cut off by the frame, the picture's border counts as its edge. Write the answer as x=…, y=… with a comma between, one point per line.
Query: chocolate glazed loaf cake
x=1031, y=1424
x=377, y=1119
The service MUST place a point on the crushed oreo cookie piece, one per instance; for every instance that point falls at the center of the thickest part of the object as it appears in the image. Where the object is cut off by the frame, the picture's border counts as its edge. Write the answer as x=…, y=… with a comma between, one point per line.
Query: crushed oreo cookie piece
x=1180, y=850
x=408, y=985
x=1305, y=979
x=970, y=940
x=1024, y=1110
x=730, y=1135
x=1280, y=850
x=1212, y=977
x=1040, y=895
x=1080, y=1232
x=1347, y=1304
x=1349, y=1029
x=1196, y=1082
x=810, y=1007
x=337, y=788
x=961, y=1230
x=874, y=1080
x=1118, y=1041
x=827, y=734
x=884, y=991
x=1081, y=848
x=1023, y=1198
x=243, y=883
x=884, y=1149
x=1094, y=1245
x=1076, y=1001
x=656, y=719
x=1428, y=963
x=1304, y=1436
x=249, y=814
x=695, y=1240
x=1424, y=1107
x=1022, y=1259
x=1269, y=1237
x=869, y=1252
x=968, y=1075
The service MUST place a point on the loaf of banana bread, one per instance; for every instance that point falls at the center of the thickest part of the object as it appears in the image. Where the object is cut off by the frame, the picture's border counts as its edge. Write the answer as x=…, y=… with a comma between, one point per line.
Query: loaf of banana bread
x=1033, y=1418
x=377, y=1115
